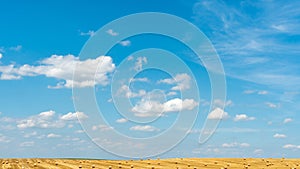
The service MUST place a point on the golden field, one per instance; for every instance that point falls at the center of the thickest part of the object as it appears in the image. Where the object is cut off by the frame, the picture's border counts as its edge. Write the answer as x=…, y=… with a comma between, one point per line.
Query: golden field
x=176, y=163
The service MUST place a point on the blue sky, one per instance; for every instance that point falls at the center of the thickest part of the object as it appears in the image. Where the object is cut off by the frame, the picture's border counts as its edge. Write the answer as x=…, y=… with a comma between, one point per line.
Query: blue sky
x=257, y=42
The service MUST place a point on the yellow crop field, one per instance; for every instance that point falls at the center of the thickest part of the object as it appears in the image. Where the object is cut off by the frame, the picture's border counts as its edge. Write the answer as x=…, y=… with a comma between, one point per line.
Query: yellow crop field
x=176, y=163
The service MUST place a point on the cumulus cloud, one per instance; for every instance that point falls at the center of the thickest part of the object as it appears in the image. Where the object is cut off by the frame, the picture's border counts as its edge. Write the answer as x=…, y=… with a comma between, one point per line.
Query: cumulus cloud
x=42, y=120
x=112, y=32
x=271, y=105
x=235, y=144
x=52, y=135
x=62, y=68
x=263, y=92
x=279, y=135
x=121, y=120
x=102, y=127
x=243, y=117
x=74, y=116
x=146, y=128
x=217, y=114
x=1, y=55
x=287, y=120
x=48, y=119
x=181, y=81
x=291, y=146
x=222, y=103
x=140, y=61
x=126, y=91
x=144, y=79
x=146, y=108
x=125, y=43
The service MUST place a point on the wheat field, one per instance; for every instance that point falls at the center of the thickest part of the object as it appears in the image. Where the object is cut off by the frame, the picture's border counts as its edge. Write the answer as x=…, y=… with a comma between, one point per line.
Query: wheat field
x=175, y=163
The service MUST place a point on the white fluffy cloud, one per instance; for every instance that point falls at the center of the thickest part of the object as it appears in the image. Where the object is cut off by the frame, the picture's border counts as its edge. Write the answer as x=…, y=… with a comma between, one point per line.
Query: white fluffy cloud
x=48, y=119
x=52, y=135
x=102, y=127
x=140, y=61
x=74, y=116
x=42, y=120
x=112, y=32
x=181, y=81
x=217, y=114
x=291, y=146
x=125, y=43
x=221, y=103
x=279, y=135
x=146, y=128
x=287, y=120
x=121, y=120
x=259, y=92
x=243, y=117
x=126, y=91
x=235, y=144
x=271, y=105
x=62, y=68
x=144, y=79
x=146, y=108
x=1, y=55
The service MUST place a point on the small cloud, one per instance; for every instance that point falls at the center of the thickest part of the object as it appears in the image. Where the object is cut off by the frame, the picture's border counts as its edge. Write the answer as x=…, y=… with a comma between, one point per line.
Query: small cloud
x=28, y=135
x=291, y=146
x=258, y=151
x=109, y=100
x=140, y=61
x=130, y=58
x=287, y=120
x=102, y=127
x=144, y=79
x=1, y=55
x=73, y=116
x=281, y=28
x=79, y=131
x=112, y=33
x=271, y=105
x=279, y=135
x=221, y=103
x=122, y=120
x=90, y=33
x=16, y=48
x=181, y=81
x=127, y=92
x=52, y=135
x=146, y=128
x=125, y=43
x=259, y=92
x=263, y=92
x=235, y=144
x=27, y=144
x=243, y=117
x=249, y=91
x=217, y=114
x=172, y=93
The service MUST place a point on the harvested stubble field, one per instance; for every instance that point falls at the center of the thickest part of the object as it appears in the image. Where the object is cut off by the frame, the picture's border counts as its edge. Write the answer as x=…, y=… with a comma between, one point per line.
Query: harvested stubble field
x=178, y=163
